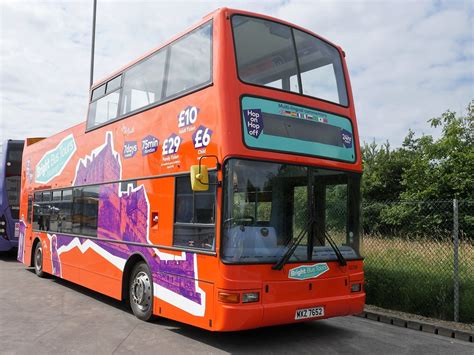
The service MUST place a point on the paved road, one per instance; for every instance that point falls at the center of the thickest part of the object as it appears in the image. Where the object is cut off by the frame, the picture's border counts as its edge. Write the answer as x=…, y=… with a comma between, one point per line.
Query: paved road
x=52, y=316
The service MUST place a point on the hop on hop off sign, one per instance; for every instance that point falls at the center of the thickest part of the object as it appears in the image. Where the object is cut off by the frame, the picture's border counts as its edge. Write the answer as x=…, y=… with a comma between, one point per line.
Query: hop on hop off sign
x=253, y=122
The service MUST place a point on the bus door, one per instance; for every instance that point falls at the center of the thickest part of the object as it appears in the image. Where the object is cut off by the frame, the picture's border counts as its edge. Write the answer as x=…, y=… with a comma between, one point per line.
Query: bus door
x=189, y=269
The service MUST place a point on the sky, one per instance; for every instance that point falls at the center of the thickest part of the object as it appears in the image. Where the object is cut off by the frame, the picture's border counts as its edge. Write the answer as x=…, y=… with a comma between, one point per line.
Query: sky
x=408, y=61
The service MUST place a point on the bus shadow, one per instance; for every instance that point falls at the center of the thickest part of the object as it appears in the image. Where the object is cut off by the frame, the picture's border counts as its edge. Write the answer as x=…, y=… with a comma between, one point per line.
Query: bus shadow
x=268, y=339
x=87, y=292
x=8, y=256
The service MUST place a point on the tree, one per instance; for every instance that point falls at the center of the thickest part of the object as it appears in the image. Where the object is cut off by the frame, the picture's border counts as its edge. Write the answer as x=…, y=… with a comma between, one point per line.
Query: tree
x=442, y=169
x=383, y=169
x=422, y=169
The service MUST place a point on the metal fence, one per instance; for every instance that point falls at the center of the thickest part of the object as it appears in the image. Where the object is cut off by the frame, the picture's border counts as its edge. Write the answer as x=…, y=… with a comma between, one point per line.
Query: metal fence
x=419, y=257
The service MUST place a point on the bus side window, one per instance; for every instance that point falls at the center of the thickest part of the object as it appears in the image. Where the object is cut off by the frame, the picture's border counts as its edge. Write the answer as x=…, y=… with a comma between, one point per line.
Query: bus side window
x=65, y=212
x=45, y=211
x=143, y=83
x=55, y=221
x=61, y=209
x=104, y=102
x=195, y=212
x=36, y=210
x=76, y=218
x=190, y=61
x=90, y=210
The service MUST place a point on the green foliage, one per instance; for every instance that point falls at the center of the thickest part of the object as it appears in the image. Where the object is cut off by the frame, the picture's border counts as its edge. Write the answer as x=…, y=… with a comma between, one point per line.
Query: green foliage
x=336, y=208
x=383, y=168
x=443, y=168
x=422, y=169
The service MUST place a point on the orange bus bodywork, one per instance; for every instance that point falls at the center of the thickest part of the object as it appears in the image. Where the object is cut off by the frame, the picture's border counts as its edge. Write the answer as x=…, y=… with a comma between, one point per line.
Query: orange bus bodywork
x=186, y=282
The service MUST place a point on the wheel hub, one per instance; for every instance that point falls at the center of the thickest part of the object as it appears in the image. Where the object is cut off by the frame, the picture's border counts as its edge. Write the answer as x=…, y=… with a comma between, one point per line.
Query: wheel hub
x=38, y=259
x=141, y=290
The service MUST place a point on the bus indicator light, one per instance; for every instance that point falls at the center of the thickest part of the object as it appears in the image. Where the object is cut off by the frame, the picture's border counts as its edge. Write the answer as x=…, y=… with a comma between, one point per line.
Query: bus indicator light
x=228, y=297
x=17, y=230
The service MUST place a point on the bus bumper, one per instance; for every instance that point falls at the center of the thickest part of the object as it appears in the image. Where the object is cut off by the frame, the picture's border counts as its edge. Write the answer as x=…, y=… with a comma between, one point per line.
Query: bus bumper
x=247, y=316
x=7, y=245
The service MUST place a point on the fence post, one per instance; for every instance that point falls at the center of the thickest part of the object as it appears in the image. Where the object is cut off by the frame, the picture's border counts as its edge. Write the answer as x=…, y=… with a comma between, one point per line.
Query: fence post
x=456, y=258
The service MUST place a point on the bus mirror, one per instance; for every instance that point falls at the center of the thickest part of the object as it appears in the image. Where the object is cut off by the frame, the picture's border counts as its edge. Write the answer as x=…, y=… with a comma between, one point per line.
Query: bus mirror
x=199, y=178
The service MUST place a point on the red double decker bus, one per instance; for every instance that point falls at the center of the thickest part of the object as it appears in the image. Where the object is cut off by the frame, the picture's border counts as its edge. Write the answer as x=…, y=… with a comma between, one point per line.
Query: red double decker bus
x=216, y=181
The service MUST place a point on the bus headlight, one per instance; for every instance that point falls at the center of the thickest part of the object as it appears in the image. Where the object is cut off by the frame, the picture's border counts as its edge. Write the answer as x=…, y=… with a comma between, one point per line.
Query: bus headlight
x=250, y=297
x=356, y=287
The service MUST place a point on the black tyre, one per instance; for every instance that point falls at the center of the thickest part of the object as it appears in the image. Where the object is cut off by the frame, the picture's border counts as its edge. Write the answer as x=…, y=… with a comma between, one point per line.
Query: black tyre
x=140, y=292
x=38, y=260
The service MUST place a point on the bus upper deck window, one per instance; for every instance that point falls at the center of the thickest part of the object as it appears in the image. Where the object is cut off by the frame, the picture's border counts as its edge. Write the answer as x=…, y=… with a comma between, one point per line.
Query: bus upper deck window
x=275, y=55
x=265, y=53
x=190, y=61
x=105, y=101
x=143, y=83
x=114, y=84
x=321, y=69
x=98, y=92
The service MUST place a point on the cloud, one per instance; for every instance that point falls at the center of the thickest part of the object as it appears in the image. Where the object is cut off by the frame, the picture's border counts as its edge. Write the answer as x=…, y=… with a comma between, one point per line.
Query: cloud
x=409, y=60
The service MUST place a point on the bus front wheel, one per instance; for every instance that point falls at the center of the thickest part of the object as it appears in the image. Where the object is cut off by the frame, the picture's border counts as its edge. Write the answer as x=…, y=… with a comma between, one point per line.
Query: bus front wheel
x=141, y=292
x=39, y=260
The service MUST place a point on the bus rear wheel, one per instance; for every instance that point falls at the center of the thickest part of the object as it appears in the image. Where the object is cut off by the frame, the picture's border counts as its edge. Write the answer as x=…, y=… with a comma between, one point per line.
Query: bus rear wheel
x=39, y=260
x=141, y=292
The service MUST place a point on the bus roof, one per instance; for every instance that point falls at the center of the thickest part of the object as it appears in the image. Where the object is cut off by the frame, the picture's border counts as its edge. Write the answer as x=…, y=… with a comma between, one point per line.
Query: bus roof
x=37, y=142
x=11, y=141
x=229, y=12
x=172, y=39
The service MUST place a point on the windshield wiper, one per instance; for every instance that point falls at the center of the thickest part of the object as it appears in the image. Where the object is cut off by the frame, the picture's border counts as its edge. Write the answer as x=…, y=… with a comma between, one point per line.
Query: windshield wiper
x=292, y=247
x=338, y=253
x=295, y=242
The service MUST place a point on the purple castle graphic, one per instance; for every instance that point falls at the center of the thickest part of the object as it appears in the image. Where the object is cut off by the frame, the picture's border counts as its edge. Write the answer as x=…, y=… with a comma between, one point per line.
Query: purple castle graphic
x=170, y=277
x=103, y=165
x=21, y=240
x=55, y=256
x=123, y=216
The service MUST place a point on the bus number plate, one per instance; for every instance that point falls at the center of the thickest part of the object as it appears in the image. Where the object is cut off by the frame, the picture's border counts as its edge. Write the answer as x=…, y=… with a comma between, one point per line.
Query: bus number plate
x=309, y=313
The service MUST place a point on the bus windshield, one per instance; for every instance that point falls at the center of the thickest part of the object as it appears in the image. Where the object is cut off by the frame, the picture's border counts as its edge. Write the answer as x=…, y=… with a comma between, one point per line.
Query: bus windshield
x=13, y=176
x=275, y=55
x=267, y=205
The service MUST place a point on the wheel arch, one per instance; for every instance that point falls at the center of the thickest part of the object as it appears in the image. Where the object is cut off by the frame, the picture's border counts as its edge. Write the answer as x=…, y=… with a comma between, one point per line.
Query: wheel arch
x=134, y=259
x=33, y=248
